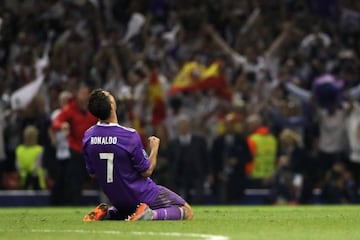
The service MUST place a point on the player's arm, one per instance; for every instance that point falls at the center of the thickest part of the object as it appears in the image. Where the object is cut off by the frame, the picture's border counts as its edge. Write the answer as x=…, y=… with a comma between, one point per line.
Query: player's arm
x=154, y=143
x=88, y=160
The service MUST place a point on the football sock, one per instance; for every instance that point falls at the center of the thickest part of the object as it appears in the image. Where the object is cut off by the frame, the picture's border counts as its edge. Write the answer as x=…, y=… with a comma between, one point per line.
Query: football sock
x=170, y=213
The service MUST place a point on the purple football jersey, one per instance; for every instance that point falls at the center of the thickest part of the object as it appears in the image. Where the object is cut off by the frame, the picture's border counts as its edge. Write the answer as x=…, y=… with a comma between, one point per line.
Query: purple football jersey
x=116, y=156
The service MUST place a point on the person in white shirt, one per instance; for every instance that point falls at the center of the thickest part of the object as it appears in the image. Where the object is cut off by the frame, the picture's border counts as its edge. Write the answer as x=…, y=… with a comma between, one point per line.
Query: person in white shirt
x=353, y=134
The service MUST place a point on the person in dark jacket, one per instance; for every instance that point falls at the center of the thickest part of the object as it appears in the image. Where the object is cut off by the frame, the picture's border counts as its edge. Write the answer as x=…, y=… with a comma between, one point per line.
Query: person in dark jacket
x=230, y=153
x=188, y=158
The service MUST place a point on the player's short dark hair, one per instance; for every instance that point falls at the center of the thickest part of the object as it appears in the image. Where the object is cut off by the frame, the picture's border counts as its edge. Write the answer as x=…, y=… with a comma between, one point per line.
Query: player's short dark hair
x=99, y=104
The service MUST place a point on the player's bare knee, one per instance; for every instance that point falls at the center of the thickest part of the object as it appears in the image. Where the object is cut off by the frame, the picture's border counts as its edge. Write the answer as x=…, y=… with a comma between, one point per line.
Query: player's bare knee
x=188, y=212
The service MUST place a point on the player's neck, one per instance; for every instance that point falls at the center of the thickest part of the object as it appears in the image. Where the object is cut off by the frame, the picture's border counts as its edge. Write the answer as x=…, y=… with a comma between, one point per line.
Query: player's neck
x=111, y=119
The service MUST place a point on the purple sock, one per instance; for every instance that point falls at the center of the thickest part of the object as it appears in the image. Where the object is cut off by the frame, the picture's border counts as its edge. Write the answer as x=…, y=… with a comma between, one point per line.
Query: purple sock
x=170, y=213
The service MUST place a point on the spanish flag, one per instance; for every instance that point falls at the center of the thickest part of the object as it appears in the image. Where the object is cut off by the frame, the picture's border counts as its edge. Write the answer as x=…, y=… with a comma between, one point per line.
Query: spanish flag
x=157, y=99
x=194, y=76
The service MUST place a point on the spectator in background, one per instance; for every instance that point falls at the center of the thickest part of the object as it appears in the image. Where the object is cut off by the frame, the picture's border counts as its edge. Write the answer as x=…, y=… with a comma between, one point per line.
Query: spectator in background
x=332, y=138
x=256, y=68
x=162, y=175
x=284, y=184
x=284, y=110
x=2, y=145
x=12, y=137
x=16, y=122
x=293, y=162
x=230, y=153
x=353, y=134
x=313, y=43
x=331, y=112
x=35, y=114
x=339, y=186
x=62, y=154
x=263, y=146
x=29, y=160
x=349, y=24
x=188, y=157
x=74, y=119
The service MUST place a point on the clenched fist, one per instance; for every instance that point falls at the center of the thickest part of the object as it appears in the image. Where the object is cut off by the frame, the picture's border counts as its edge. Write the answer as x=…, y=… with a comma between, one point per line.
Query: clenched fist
x=154, y=142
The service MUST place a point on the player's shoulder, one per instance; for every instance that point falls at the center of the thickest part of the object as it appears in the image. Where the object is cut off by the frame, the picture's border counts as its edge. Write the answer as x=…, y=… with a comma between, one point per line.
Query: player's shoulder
x=127, y=129
x=122, y=130
x=115, y=128
x=90, y=129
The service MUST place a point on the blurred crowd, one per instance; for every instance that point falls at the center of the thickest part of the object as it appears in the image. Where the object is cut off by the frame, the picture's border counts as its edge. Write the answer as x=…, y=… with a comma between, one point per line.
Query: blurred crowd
x=280, y=111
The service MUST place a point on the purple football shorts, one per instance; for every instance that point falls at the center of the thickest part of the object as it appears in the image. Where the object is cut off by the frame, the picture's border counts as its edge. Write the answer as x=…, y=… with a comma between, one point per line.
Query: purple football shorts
x=166, y=198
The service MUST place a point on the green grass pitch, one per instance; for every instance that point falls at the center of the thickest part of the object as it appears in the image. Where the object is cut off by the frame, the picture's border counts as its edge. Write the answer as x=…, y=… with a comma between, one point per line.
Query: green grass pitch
x=210, y=223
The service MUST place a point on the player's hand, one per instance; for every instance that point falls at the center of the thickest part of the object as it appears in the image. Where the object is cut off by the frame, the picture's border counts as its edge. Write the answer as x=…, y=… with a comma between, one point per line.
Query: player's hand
x=154, y=142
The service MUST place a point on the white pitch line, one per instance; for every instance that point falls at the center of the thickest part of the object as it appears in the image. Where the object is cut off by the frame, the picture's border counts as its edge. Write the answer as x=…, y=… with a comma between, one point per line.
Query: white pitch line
x=169, y=234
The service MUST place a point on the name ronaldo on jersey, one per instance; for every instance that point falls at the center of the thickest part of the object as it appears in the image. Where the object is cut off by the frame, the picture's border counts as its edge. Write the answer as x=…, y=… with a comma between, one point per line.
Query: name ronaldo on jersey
x=103, y=140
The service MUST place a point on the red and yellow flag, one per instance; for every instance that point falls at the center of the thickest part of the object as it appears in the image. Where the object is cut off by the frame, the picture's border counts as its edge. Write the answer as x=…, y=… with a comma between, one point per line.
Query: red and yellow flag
x=194, y=76
x=157, y=99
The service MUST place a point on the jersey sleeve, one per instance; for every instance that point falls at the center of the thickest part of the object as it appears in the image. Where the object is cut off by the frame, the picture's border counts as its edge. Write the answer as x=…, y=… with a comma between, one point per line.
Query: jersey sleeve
x=140, y=158
x=88, y=162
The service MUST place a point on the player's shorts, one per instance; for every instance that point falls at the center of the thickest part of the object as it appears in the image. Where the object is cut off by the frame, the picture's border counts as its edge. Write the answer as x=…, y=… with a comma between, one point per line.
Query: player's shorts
x=166, y=198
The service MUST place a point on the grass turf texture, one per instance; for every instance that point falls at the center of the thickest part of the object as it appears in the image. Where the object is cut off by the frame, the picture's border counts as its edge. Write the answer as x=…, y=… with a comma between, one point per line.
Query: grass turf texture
x=231, y=222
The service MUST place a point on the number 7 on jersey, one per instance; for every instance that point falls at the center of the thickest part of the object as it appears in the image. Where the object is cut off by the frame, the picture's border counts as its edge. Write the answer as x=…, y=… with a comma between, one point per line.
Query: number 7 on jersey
x=109, y=157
